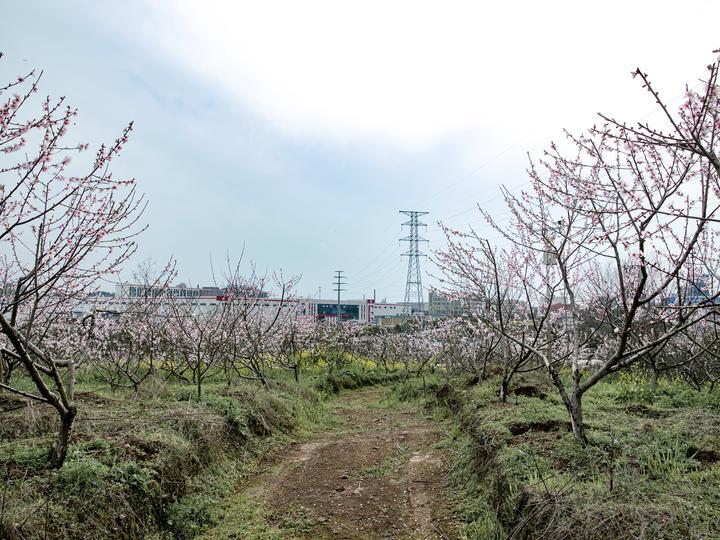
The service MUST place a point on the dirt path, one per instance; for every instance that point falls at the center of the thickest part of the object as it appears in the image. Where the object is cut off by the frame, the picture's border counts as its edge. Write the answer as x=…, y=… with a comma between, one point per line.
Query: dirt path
x=375, y=474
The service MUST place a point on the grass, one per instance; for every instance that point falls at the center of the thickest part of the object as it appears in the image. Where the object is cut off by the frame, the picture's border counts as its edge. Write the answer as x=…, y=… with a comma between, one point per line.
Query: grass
x=352, y=377
x=298, y=520
x=249, y=519
x=141, y=465
x=388, y=467
x=156, y=464
x=651, y=468
x=161, y=464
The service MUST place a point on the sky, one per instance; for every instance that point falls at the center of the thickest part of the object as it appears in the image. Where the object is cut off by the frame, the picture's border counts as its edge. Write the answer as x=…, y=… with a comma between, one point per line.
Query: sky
x=294, y=132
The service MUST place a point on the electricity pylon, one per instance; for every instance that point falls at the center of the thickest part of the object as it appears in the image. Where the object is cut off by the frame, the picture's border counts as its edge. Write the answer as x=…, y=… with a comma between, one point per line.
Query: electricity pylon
x=413, y=286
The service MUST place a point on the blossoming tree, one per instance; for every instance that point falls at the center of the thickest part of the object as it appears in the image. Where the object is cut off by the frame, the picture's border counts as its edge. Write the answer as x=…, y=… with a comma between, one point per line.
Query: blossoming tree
x=63, y=226
x=617, y=222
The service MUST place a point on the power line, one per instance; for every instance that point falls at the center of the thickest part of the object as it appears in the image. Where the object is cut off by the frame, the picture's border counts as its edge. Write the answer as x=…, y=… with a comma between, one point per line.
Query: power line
x=484, y=164
x=362, y=271
x=368, y=277
x=380, y=275
x=480, y=205
x=382, y=264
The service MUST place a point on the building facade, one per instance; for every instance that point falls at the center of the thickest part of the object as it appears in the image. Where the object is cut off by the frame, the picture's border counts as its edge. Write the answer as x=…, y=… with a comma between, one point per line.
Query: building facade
x=207, y=299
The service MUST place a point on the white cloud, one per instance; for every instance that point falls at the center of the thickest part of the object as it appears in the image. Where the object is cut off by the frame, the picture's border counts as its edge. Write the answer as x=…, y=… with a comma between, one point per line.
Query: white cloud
x=412, y=72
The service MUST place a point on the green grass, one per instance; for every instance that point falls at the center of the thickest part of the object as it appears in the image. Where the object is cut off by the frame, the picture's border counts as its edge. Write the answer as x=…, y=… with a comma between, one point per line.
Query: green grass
x=352, y=377
x=158, y=463
x=297, y=520
x=650, y=469
x=389, y=466
x=144, y=464
x=248, y=519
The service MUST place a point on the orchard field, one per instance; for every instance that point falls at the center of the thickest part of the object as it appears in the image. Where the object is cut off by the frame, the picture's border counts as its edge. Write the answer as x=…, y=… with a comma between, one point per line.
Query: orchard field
x=344, y=455
x=572, y=395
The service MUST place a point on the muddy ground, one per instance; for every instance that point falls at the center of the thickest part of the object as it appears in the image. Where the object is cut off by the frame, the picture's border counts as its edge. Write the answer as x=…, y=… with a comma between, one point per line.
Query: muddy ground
x=375, y=473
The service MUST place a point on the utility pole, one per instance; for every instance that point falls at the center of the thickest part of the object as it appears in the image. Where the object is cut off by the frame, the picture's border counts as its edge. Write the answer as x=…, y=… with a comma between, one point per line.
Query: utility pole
x=413, y=285
x=339, y=282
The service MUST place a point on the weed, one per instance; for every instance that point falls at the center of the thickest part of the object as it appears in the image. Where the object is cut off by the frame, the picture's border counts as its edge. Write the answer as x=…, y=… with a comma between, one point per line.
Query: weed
x=389, y=466
x=668, y=461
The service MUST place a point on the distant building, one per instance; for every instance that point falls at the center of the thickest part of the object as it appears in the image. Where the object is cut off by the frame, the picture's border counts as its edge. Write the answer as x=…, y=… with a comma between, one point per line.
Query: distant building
x=362, y=311
x=207, y=299
x=441, y=306
x=134, y=290
x=392, y=320
x=695, y=293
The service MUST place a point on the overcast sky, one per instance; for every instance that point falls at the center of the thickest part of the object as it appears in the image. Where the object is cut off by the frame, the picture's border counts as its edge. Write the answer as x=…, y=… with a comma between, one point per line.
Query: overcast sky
x=299, y=129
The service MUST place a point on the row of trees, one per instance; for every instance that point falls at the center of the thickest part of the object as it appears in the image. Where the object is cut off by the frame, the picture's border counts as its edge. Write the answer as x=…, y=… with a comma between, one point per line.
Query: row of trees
x=243, y=337
x=609, y=262
x=67, y=226
x=185, y=341
x=610, y=258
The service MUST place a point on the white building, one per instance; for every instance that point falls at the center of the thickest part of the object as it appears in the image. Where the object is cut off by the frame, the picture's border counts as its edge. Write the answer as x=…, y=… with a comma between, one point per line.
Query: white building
x=207, y=299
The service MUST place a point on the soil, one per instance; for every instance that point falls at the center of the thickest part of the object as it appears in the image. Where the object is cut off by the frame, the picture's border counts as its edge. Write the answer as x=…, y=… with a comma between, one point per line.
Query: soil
x=375, y=474
x=548, y=425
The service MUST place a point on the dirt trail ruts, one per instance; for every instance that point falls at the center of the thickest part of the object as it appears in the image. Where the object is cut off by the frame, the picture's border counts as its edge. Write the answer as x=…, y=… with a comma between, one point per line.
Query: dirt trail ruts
x=377, y=475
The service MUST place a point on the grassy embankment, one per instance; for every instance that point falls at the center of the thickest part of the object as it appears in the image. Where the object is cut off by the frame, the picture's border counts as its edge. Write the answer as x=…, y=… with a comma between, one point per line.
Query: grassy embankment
x=157, y=464
x=161, y=464
x=651, y=468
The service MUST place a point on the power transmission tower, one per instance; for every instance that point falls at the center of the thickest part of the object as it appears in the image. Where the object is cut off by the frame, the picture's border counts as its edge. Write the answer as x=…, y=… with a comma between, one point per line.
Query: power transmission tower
x=339, y=282
x=413, y=286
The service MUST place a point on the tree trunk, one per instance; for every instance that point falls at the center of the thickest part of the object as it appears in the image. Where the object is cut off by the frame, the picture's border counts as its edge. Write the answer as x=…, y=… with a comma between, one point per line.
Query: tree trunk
x=573, y=404
x=228, y=375
x=6, y=370
x=484, y=369
x=296, y=373
x=58, y=451
x=504, y=389
x=654, y=382
x=507, y=373
x=576, y=417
